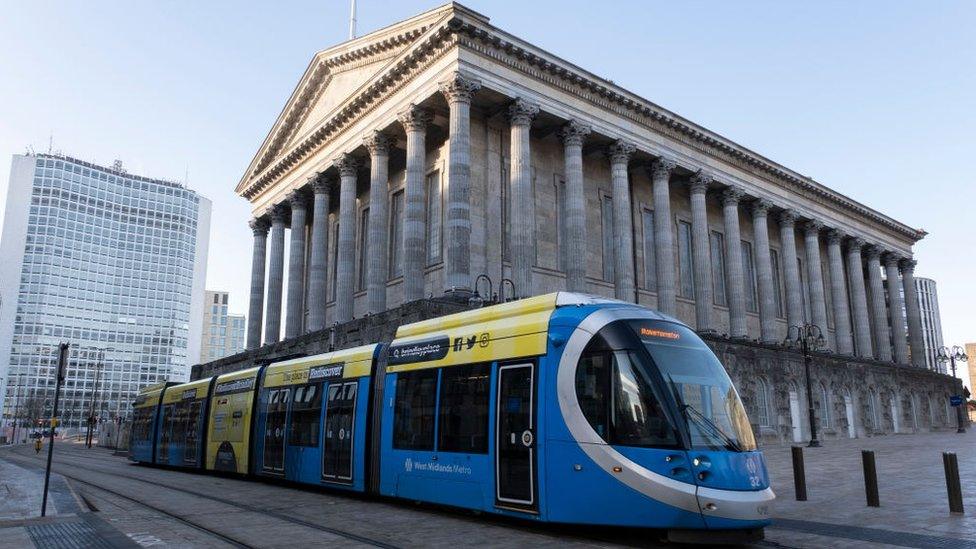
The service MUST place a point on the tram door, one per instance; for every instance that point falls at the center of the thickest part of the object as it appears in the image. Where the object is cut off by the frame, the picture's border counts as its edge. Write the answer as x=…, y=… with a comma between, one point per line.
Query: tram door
x=274, y=431
x=515, y=432
x=340, y=419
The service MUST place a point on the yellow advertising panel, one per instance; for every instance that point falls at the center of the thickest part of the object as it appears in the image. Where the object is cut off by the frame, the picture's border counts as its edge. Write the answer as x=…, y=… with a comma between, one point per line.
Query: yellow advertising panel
x=510, y=330
x=149, y=396
x=229, y=425
x=194, y=390
x=345, y=364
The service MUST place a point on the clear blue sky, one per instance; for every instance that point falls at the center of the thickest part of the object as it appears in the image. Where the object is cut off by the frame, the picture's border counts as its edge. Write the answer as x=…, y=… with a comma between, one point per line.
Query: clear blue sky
x=875, y=99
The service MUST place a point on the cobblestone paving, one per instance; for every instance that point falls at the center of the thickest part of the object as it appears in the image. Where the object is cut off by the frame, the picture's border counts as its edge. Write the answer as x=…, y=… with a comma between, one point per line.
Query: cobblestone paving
x=911, y=483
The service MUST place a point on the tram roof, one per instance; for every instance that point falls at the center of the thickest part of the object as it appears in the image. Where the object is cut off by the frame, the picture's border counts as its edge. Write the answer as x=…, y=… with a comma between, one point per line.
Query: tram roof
x=176, y=393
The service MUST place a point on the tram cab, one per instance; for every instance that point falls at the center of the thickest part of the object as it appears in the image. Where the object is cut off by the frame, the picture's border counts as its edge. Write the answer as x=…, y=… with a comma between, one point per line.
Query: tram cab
x=570, y=408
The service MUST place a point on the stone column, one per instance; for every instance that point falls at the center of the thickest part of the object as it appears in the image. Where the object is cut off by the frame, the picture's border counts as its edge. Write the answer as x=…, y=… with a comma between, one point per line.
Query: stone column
x=882, y=335
x=573, y=134
x=276, y=274
x=458, y=91
x=838, y=293
x=764, y=272
x=663, y=236
x=318, y=270
x=623, y=224
x=818, y=301
x=859, y=299
x=791, y=270
x=522, y=244
x=296, y=267
x=377, y=257
x=913, y=313
x=895, y=308
x=346, y=263
x=699, y=184
x=415, y=120
x=255, y=310
x=734, y=278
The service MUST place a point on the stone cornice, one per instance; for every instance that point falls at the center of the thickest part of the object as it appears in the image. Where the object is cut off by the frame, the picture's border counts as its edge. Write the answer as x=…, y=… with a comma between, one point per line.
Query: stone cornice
x=476, y=34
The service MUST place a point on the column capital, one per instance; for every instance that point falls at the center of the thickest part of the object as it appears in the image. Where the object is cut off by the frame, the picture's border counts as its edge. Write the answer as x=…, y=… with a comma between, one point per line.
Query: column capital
x=907, y=265
x=321, y=184
x=278, y=213
x=760, y=207
x=854, y=244
x=347, y=164
x=459, y=88
x=890, y=259
x=297, y=200
x=621, y=151
x=377, y=143
x=259, y=226
x=731, y=196
x=835, y=236
x=521, y=112
x=415, y=118
x=812, y=226
x=662, y=167
x=873, y=252
x=787, y=218
x=699, y=182
x=574, y=132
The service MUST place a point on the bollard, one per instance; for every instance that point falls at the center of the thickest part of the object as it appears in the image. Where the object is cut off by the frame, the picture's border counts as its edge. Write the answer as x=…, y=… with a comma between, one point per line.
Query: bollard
x=799, y=474
x=951, y=464
x=870, y=478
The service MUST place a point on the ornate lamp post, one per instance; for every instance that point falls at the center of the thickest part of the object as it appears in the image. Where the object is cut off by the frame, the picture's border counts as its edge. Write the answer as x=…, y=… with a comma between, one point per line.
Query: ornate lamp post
x=945, y=354
x=807, y=338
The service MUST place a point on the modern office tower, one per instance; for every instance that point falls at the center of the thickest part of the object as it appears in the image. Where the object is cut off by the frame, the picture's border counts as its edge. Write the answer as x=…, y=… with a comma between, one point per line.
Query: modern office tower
x=111, y=262
x=223, y=333
x=928, y=302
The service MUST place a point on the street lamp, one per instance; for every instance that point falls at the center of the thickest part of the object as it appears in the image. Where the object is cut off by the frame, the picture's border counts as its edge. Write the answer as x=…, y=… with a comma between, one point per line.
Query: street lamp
x=806, y=338
x=945, y=354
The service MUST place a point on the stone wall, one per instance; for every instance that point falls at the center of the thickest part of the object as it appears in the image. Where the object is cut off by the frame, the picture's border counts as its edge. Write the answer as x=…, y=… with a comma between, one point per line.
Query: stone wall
x=754, y=367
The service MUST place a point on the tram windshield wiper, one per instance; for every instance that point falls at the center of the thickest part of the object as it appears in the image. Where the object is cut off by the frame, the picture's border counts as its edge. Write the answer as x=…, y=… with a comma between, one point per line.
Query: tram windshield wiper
x=701, y=419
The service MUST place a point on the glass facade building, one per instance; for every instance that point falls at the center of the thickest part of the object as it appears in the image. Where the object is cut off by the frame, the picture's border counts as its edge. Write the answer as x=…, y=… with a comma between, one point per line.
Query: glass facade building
x=223, y=333
x=110, y=262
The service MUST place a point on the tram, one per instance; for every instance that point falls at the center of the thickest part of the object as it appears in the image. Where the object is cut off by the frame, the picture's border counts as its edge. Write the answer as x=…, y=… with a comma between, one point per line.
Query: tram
x=562, y=408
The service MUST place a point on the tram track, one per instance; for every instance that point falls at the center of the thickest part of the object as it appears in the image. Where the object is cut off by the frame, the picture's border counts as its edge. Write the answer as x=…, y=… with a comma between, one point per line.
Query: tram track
x=65, y=461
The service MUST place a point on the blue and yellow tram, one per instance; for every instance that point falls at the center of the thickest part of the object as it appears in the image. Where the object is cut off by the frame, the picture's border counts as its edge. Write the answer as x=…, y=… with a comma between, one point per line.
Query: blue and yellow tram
x=562, y=408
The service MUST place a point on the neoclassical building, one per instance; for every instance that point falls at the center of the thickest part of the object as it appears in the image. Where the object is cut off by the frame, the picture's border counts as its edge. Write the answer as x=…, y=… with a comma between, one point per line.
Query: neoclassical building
x=413, y=159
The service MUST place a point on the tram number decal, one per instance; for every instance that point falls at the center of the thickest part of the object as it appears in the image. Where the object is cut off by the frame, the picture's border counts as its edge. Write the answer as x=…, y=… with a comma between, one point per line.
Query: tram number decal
x=327, y=371
x=419, y=351
x=189, y=394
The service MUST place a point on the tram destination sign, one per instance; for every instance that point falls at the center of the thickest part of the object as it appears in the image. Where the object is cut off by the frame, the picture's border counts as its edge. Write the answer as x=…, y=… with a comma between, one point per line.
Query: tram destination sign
x=419, y=351
x=326, y=372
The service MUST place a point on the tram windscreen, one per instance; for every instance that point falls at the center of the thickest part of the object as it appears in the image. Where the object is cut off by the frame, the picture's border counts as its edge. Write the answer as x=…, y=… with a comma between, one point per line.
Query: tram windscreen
x=709, y=402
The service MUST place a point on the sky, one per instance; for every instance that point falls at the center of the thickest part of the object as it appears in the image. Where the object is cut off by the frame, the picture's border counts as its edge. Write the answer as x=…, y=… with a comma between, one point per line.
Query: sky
x=875, y=99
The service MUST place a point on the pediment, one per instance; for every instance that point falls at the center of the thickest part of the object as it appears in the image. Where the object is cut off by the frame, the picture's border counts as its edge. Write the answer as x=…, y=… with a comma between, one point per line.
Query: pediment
x=332, y=77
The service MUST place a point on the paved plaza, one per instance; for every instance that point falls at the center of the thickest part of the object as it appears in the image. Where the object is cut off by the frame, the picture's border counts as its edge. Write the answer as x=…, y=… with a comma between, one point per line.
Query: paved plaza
x=105, y=496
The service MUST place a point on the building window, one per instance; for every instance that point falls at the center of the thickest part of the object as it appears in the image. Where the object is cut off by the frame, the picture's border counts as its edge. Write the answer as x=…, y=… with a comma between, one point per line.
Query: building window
x=506, y=209
x=650, y=260
x=396, y=235
x=413, y=412
x=749, y=273
x=559, y=192
x=363, y=248
x=606, y=208
x=434, y=216
x=463, y=423
x=777, y=283
x=717, y=242
x=873, y=401
x=824, y=407
x=686, y=262
x=762, y=402
x=334, y=242
x=805, y=290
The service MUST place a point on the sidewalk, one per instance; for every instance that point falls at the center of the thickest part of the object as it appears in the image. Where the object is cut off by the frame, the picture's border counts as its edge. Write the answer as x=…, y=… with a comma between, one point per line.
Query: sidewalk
x=67, y=524
x=911, y=484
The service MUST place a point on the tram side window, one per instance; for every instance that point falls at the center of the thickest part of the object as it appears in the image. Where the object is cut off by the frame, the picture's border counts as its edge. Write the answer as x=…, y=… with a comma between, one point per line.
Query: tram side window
x=592, y=379
x=463, y=425
x=413, y=414
x=306, y=412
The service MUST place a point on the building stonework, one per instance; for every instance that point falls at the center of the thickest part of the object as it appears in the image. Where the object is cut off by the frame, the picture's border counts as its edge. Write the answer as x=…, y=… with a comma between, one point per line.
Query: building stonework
x=503, y=160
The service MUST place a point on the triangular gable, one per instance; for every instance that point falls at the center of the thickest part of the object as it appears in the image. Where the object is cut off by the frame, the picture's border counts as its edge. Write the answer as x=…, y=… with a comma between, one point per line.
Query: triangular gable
x=331, y=78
